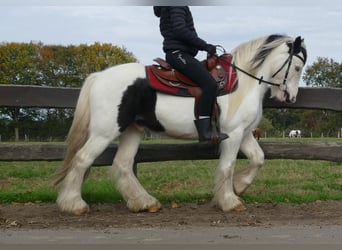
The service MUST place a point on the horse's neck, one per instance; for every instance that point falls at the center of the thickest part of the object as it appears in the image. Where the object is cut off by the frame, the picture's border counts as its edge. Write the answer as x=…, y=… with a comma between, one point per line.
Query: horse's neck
x=248, y=88
x=243, y=56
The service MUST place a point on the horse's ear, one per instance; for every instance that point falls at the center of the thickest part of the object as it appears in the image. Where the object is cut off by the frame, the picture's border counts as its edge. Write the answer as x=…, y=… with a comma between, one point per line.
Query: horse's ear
x=297, y=45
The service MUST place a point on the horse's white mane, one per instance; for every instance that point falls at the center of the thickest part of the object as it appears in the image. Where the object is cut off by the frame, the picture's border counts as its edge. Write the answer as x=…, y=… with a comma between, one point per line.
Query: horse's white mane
x=250, y=55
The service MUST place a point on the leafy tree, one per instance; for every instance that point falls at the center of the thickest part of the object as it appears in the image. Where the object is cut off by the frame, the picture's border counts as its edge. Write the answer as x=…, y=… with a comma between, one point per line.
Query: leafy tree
x=51, y=65
x=18, y=63
x=266, y=126
x=324, y=73
x=283, y=120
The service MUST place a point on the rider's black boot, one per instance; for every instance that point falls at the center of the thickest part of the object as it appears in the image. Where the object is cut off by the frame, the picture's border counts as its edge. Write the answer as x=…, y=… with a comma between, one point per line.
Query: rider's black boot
x=207, y=133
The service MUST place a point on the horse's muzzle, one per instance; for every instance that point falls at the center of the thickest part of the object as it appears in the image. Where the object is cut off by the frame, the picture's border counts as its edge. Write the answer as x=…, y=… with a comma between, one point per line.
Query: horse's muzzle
x=288, y=98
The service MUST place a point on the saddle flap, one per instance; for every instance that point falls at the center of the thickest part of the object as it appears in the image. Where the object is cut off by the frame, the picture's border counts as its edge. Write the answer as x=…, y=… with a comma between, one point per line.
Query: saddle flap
x=171, y=76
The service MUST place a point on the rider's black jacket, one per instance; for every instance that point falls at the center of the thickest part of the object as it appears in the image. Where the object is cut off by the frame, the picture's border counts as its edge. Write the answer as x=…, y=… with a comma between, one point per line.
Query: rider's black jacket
x=177, y=28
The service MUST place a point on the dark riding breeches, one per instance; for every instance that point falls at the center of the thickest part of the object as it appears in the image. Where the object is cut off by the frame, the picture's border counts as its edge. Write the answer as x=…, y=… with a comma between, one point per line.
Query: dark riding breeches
x=197, y=72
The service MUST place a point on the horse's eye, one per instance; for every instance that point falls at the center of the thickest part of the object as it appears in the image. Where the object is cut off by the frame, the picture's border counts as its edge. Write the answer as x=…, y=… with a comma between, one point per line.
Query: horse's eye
x=297, y=68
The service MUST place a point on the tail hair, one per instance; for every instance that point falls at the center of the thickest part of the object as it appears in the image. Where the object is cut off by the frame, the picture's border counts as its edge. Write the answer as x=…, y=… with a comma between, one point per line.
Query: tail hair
x=78, y=133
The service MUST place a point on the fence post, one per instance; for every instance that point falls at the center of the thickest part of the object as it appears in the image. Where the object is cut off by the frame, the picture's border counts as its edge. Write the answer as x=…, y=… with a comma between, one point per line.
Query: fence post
x=135, y=169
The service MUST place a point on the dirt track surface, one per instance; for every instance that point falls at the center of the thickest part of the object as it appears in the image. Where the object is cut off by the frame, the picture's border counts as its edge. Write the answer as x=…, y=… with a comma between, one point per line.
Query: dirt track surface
x=318, y=223
x=184, y=215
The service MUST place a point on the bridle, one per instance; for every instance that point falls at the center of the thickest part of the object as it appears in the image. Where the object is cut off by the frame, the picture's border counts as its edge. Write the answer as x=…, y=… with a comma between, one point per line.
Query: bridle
x=288, y=62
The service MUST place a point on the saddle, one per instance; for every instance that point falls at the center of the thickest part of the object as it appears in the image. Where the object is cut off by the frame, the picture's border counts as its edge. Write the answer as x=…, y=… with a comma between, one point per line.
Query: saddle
x=167, y=80
x=164, y=78
x=171, y=77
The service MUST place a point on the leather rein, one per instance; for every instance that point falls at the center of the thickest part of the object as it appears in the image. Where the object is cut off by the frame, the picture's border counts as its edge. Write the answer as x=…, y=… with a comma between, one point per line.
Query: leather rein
x=288, y=61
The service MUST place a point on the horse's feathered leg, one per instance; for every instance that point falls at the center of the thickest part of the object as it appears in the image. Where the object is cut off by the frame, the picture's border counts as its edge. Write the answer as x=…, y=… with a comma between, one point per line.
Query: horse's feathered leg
x=254, y=153
x=135, y=195
x=224, y=195
x=69, y=198
x=86, y=140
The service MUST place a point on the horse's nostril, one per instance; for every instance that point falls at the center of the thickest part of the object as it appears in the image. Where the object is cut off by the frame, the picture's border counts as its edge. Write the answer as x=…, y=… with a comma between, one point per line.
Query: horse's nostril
x=287, y=97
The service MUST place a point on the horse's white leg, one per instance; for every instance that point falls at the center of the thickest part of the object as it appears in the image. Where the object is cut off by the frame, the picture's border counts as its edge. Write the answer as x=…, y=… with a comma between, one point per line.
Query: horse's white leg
x=244, y=177
x=132, y=191
x=224, y=195
x=69, y=197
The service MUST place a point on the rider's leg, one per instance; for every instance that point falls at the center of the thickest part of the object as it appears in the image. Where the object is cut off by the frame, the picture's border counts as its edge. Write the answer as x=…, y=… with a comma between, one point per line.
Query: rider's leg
x=197, y=72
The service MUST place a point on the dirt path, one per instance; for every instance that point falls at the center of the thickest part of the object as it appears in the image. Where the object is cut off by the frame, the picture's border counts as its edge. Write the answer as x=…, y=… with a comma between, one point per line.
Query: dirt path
x=186, y=223
x=104, y=216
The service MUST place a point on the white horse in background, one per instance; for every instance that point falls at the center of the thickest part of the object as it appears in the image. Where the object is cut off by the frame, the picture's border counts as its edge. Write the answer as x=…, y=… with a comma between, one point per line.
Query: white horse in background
x=274, y=62
x=295, y=134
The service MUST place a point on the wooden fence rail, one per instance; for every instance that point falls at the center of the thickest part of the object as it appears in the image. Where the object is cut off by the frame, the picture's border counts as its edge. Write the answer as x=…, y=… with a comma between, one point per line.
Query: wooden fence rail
x=49, y=97
x=329, y=151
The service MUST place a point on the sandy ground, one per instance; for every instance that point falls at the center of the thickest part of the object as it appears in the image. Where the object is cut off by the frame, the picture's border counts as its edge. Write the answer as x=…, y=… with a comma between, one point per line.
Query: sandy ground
x=318, y=222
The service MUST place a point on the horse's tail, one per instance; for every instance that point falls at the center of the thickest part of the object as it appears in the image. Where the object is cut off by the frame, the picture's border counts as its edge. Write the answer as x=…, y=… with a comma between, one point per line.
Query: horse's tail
x=78, y=133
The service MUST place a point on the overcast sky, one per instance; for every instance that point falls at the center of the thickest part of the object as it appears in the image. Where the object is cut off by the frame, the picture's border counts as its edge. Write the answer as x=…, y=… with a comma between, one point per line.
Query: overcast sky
x=136, y=27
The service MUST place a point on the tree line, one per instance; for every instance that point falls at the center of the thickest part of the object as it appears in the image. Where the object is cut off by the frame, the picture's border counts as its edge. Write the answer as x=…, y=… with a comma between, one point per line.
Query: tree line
x=68, y=66
x=49, y=65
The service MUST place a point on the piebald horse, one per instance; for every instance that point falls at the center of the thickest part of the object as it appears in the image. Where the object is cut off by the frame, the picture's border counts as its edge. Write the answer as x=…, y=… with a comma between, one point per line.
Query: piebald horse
x=295, y=134
x=274, y=62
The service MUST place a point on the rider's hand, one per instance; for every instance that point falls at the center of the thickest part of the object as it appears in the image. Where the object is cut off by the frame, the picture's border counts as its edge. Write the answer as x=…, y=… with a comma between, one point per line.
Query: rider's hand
x=211, y=49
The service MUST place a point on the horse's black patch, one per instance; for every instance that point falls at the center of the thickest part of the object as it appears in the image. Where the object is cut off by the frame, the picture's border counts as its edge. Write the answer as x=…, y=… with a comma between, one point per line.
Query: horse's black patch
x=138, y=106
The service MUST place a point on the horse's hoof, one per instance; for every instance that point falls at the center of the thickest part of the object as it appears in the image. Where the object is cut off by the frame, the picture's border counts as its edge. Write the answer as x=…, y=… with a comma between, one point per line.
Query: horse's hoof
x=239, y=208
x=153, y=209
x=81, y=211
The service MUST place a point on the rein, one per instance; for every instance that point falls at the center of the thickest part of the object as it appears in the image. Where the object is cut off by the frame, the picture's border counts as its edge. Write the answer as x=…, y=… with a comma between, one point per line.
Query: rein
x=261, y=80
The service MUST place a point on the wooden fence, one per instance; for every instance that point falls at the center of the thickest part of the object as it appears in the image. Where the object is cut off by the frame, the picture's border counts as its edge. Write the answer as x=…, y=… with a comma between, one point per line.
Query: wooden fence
x=49, y=97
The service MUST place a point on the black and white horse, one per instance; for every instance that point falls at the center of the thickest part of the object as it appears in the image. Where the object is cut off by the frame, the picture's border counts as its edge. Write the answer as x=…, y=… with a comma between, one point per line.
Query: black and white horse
x=295, y=134
x=274, y=62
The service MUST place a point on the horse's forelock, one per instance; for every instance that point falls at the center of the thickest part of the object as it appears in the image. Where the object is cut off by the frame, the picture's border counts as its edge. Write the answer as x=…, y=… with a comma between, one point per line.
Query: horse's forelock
x=270, y=43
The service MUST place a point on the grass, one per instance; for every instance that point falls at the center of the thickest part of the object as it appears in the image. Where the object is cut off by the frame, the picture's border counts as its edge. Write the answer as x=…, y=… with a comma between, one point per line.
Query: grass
x=295, y=181
x=180, y=141
x=303, y=139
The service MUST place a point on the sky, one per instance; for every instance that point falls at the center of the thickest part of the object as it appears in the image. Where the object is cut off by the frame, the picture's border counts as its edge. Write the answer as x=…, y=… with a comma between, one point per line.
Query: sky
x=125, y=24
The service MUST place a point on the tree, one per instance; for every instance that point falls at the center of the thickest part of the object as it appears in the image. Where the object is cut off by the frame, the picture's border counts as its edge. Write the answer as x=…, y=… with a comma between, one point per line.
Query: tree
x=266, y=127
x=283, y=120
x=18, y=63
x=51, y=65
x=324, y=73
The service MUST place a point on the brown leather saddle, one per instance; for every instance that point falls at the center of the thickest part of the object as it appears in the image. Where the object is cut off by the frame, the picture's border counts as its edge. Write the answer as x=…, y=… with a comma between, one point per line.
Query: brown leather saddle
x=173, y=78
x=164, y=78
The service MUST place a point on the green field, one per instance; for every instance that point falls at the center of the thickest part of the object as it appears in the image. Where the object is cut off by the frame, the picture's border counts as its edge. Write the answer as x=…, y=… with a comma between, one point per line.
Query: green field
x=295, y=181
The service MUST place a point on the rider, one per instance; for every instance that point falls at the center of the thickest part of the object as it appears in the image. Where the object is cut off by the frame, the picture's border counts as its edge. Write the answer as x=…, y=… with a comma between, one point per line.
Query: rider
x=181, y=45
